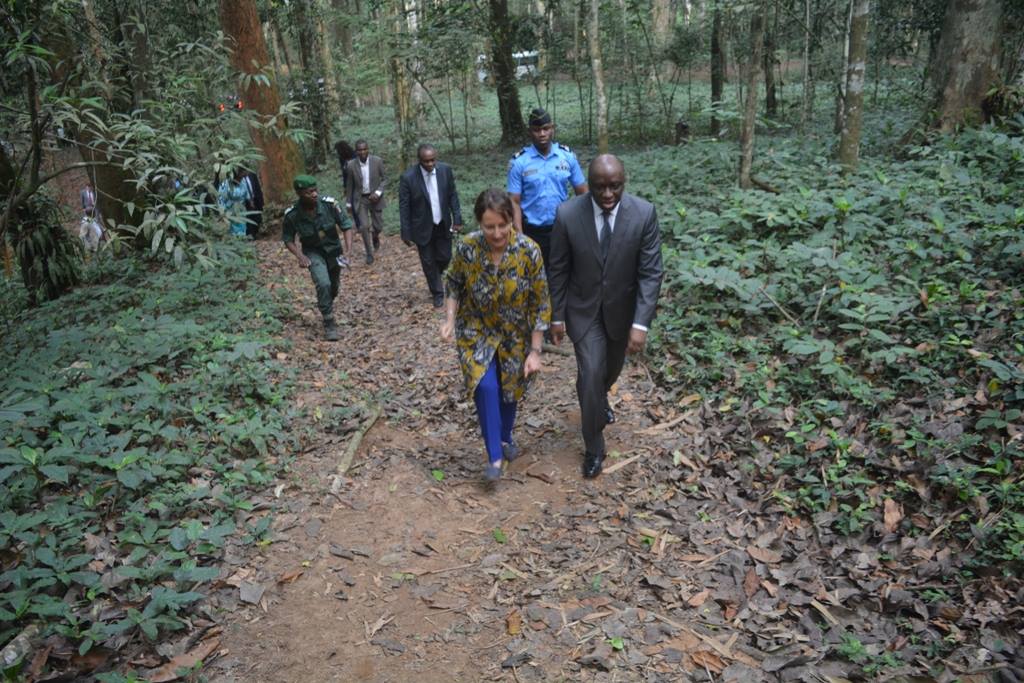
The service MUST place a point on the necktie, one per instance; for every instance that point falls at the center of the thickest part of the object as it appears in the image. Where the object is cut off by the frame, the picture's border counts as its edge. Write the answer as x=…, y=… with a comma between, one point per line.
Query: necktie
x=606, y=235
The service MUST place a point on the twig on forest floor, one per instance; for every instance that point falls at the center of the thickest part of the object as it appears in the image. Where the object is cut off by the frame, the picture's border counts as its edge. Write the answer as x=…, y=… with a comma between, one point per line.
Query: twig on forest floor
x=357, y=440
x=560, y=350
x=789, y=316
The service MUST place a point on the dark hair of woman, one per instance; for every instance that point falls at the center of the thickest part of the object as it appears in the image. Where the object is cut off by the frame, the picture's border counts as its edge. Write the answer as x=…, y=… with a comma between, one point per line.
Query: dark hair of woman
x=498, y=201
x=345, y=151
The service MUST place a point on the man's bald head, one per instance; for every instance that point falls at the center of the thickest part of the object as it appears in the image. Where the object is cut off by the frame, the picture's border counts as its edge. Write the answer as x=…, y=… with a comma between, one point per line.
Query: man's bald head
x=606, y=163
x=607, y=178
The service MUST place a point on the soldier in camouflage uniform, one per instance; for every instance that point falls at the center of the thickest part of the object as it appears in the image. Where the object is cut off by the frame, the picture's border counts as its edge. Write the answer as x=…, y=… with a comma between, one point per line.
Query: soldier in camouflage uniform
x=310, y=230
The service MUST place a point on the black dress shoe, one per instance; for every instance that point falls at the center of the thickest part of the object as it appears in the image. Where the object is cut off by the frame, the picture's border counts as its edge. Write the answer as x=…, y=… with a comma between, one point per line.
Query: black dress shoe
x=438, y=300
x=609, y=415
x=592, y=465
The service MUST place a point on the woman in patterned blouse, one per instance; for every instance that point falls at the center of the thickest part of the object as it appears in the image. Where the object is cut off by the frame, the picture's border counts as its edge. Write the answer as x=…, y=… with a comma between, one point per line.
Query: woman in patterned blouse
x=496, y=311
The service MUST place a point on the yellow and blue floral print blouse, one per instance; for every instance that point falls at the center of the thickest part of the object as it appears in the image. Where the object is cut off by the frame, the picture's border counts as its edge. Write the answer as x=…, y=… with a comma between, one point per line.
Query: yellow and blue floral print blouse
x=499, y=308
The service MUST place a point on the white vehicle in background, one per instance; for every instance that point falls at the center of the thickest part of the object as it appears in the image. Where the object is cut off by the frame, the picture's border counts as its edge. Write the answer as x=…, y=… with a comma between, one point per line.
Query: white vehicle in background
x=525, y=64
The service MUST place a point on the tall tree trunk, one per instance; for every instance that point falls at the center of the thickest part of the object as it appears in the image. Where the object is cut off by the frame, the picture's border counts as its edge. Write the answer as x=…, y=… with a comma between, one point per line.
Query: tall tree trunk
x=283, y=45
x=966, y=63
x=401, y=87
x=343, y=29
x=313, y=70
x=137, y=34
x=330, y=76
x=717, y=64
x=240, y=22
x=840, y=98
x=577, y=71
x=807, y=101
x=513, y=130
x=271, y=43
x=663, y=21
x=594, y=43
x=853, y=104
x=750, y=109
x=771, y=106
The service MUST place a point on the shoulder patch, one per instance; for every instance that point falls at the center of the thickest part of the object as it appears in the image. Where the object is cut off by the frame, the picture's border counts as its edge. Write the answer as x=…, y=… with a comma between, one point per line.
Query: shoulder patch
x=328, y=199
x=289, y=209
x=567, y=148
x=519, y=153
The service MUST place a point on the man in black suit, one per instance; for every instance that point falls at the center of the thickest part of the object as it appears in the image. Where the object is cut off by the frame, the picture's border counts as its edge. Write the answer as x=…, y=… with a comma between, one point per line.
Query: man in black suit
x=605, y=275
x=429, y=211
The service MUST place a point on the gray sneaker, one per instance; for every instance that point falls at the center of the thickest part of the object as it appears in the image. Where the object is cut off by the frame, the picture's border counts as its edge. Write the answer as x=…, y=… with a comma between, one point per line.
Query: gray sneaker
x=510, y=451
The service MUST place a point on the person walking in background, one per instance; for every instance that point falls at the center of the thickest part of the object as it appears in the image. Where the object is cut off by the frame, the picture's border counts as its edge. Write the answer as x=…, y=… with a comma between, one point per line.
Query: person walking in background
x=90, y=229
x=605, y=275
x=233, y=195
x=88, y=199
x=310, y=231
x=345, y=154
x=496, y=311
x=429, y=213
x=253, y=205
x=364, y=192
x=539, y=177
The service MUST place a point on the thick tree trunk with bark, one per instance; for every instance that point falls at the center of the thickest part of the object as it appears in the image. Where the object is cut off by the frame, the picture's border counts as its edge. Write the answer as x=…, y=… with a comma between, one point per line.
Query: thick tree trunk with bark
x=750, y=107
x=966, y=63
x=240, y=22
x=717, y=64
x=512, y=127
x=853, y=102
x=313, y=71
x=594, y=43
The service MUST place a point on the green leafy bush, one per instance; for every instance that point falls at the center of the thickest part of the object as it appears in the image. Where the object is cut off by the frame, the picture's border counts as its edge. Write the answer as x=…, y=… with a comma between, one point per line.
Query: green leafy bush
x=870, y=327
x=135, y=417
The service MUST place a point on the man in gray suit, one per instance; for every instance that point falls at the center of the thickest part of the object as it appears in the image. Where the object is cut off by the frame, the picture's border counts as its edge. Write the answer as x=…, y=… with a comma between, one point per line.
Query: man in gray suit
x=429, y=213
x=605, y=276
x=364, y=190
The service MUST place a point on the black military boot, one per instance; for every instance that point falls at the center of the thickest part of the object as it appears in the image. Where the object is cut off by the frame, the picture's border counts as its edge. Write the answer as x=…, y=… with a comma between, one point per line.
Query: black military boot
x=330, y=329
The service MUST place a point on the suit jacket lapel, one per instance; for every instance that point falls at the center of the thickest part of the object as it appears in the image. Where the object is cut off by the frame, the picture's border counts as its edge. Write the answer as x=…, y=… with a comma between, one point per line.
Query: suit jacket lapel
x=589, y=234
x=422, y=183
x=623, y=223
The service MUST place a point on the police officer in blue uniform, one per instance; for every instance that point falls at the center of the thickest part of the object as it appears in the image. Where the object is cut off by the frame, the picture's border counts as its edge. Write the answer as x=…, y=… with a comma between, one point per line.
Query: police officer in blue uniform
x=539, y=177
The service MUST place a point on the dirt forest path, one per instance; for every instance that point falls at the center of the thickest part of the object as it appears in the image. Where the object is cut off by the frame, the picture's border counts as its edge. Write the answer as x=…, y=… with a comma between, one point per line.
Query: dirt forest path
x=408, y=568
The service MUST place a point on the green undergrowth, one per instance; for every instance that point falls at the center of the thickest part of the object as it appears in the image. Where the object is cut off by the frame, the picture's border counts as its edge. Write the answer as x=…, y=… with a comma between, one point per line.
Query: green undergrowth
x=866, y=332
x=136, y=417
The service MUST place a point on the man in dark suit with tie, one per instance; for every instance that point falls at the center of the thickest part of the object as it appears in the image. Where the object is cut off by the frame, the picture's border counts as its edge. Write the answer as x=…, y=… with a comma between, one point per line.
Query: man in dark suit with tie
x=429, y=212
x=605, y=275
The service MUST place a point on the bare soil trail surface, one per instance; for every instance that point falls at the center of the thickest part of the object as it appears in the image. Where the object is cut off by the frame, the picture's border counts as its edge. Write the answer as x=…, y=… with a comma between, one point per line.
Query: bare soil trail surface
x=671, y=566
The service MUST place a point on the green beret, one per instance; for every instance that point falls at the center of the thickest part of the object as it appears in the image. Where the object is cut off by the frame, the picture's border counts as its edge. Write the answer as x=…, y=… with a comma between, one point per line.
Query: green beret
x=303, y=182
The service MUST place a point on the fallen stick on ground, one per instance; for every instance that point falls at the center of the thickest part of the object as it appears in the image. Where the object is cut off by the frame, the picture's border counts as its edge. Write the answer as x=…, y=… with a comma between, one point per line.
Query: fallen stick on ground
x=560, y=350
x=622, y=463
x=353, y=445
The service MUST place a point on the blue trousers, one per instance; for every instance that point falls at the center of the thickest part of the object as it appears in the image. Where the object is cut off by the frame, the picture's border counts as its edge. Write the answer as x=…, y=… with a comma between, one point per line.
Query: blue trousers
x=496, y=416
